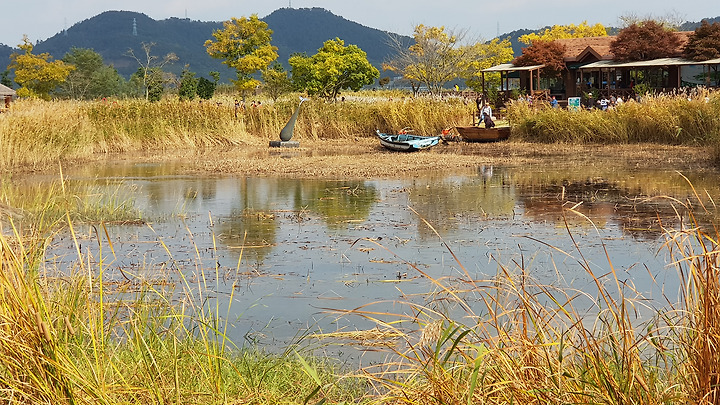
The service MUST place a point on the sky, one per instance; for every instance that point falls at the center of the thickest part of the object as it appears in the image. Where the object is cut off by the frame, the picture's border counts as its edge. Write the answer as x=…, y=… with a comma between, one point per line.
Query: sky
x=480, y=19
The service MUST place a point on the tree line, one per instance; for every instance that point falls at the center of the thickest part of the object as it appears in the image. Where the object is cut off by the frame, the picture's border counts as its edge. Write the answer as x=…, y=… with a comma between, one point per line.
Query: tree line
x=435, y=57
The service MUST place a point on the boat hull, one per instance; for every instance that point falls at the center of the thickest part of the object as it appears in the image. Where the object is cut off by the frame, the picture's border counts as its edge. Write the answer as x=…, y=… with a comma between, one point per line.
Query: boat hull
x=406, y=142
x=480, y=134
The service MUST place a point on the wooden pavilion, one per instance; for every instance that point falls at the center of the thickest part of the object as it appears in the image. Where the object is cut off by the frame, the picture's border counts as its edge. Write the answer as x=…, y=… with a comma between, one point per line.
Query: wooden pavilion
x=589, y=67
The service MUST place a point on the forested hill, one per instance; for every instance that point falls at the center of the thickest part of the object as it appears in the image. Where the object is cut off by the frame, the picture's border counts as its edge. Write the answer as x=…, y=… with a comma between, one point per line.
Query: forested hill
x=294, y=30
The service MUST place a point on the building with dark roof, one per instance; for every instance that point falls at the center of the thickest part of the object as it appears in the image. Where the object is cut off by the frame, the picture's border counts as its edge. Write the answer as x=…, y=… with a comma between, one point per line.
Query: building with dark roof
x=590, y=68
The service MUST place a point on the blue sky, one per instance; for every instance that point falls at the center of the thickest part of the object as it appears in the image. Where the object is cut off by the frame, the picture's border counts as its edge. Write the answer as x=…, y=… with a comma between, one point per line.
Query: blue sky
x=483, y=19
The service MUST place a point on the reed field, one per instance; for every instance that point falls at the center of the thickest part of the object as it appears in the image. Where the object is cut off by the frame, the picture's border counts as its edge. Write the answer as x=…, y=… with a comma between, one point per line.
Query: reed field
x=662, y=119
x=36, y=133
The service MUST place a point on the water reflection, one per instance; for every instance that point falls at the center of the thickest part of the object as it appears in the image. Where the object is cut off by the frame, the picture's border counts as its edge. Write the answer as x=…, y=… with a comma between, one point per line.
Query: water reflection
x=298, y=246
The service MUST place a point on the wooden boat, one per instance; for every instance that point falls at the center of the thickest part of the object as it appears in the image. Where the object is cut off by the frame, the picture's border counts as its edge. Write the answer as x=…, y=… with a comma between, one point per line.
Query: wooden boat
x=407, y=142
x=482, y=134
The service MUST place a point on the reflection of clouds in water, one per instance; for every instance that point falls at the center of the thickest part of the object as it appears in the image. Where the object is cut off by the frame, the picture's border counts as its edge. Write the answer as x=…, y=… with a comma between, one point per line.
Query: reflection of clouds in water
x=486, y=171
x=301, y=244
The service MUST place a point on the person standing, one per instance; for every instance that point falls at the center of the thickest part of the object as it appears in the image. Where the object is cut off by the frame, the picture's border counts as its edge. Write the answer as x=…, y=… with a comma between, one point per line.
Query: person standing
x=486, y=113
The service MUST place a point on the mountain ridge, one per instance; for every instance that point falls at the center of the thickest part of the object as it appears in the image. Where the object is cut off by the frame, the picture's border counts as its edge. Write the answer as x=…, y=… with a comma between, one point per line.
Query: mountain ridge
x=112, y=33
x=295, y=30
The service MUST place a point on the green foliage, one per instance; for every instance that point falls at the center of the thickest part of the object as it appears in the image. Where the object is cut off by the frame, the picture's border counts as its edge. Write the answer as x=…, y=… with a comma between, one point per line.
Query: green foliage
x=188, y=85
x=5, y=79
x=205, y=88
x=152, y=80
x=333, y=68
x=150, y=73
x=276, y=81
x=91, y=78
x=36, y=74
x=645, y=41
x=244, y=44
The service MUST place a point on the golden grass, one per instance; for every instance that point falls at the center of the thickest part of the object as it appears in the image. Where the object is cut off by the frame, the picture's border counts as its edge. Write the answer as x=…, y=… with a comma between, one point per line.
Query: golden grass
x=530, y=343
x=662, y=119
x=37, y=134
x=34, y=133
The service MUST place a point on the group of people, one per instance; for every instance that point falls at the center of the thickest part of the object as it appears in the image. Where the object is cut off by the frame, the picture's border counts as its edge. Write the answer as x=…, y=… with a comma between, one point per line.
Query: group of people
x=605, y=103
x=240, y=105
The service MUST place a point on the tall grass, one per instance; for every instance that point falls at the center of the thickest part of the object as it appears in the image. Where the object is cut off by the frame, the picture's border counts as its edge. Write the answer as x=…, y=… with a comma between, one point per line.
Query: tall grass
x=37, y=133
x=514, y=340
x=68, y=336
x=664, y=119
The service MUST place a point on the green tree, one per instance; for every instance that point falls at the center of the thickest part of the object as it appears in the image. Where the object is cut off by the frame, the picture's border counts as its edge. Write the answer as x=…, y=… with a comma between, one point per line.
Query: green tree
x=5, y=79
x=582, y=30
x=484, y=55
x=155, y=84
x=244, y=44
x=276, y=81
x=150, y=71
x=91, y=77
x=645, y=41
x=37, y=75
x=435, y=58
x=333, y=68
x=205, y=88
x=548, y=53
x=188, y=87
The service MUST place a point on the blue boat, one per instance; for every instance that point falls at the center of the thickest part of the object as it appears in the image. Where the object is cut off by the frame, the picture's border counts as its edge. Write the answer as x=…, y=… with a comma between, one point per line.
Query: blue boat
x=407, y=142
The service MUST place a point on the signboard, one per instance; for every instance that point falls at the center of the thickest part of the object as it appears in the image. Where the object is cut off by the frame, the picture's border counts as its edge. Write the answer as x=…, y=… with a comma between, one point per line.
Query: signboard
x=573, y=103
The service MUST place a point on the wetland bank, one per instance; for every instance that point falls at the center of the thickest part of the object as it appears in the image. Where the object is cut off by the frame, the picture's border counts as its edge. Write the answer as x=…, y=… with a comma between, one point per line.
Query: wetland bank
x=464, y=273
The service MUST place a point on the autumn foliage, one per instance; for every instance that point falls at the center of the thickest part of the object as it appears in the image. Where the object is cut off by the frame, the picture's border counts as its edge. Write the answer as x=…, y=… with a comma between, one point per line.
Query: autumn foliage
x=548, y=53
x=704, y=43
x=645, y=41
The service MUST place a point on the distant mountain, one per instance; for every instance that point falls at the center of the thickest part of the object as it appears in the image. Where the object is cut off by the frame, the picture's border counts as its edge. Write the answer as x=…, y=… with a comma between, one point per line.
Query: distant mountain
x=113, y=33
x=5, y=52
x=691, y=26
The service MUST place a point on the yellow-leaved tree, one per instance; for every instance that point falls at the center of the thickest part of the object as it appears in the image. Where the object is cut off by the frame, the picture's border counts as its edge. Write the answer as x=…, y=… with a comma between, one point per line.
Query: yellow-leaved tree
x=435, y=58
x=583, y=30
x=37, y=75
x=244, y=43
x=483, y=55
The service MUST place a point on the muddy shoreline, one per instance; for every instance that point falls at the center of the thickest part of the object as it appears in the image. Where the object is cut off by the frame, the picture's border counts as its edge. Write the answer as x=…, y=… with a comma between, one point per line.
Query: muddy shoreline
x=365, y=158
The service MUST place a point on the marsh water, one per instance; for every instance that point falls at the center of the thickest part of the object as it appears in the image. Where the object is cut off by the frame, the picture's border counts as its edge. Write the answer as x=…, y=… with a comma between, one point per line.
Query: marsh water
x=282, y=256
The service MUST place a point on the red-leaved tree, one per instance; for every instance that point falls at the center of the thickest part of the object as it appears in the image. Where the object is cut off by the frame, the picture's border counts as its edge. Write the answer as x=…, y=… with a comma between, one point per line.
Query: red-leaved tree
x=548, y=53
x=645, y=41
x=704, y=43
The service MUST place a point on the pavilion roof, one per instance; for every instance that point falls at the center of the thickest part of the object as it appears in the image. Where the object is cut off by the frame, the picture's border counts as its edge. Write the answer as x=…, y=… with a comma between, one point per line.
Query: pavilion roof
x=6, y=91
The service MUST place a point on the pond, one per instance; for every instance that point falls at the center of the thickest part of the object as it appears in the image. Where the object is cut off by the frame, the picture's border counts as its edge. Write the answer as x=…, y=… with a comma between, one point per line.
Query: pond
x=282, y=256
